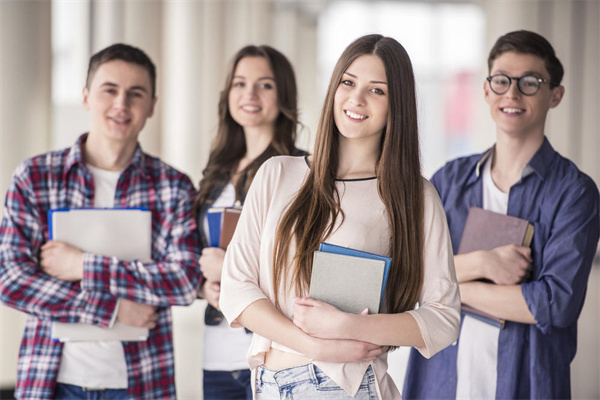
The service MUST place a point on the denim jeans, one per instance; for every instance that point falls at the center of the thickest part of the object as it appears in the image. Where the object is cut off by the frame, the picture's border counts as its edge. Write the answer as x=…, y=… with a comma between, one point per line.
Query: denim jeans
x=227, y=385
x=64, y=391
x=308, y=382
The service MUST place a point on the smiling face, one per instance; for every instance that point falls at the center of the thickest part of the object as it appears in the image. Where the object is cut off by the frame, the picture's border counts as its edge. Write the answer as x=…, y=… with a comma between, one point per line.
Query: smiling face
x=514, y=113
x=361, y=100
x=253, y=94
x=119, y=98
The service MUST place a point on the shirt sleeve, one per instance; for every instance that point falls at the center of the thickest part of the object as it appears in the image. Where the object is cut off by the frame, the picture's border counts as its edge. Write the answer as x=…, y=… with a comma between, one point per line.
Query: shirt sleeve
x=241, y=280
x=438, y=314
x=23, y=285
x=556, y=296
x=172, y=277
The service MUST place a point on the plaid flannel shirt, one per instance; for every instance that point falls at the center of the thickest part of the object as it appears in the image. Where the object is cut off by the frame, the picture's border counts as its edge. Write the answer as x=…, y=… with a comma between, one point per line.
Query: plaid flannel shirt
x=60, y=179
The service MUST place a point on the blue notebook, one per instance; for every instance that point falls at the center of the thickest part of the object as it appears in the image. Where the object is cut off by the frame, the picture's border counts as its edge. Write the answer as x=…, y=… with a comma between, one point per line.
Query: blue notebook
x=332, y=248
x=214, y=216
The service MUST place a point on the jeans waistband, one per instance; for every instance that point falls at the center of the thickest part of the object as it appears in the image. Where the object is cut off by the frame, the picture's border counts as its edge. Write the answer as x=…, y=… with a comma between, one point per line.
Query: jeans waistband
x=308, y=372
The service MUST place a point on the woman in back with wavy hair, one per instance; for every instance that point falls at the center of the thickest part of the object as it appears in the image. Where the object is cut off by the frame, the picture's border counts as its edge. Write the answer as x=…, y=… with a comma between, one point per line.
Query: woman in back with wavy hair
x=258, y=117
x=361, y=189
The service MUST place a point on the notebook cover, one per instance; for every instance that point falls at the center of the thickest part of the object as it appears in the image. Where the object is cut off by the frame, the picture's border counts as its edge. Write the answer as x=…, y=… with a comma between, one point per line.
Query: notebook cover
x=125, y=233
x=485, y=230
x=349, y=283
x=231, y=215
x=333, y=248
x=214, y=216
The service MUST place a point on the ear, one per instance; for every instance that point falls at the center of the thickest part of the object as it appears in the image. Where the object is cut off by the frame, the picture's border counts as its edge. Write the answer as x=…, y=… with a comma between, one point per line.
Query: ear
x=486, y=91
x=86, y=94
x=151, y=111
x=557, y=95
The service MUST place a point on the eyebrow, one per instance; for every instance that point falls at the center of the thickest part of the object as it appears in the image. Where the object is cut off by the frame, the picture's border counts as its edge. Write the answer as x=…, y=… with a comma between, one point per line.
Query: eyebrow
x=136, y=87
x=271, y=78
x=535, y=73
x=356, y=77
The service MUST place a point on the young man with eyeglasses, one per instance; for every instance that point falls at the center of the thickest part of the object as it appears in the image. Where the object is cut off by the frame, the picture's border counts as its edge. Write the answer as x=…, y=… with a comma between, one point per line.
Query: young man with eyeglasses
x=539, y=291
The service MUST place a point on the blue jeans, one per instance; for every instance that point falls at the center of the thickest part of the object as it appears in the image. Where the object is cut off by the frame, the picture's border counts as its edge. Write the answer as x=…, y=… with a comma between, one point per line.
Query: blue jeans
x=64, y=391
x=227, y=385
x=308, y=382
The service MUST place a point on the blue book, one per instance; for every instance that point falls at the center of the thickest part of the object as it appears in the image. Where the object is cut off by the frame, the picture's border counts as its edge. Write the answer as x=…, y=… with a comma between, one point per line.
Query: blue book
x=332, y=248
x=214, y=216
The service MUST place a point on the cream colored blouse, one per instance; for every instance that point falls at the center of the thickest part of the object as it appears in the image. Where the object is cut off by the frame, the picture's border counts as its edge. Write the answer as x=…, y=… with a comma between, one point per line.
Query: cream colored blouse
x=247, y=270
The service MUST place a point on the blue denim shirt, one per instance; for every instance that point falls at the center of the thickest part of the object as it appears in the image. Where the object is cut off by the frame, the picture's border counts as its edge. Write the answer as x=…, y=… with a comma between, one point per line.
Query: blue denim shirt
x=562, y=203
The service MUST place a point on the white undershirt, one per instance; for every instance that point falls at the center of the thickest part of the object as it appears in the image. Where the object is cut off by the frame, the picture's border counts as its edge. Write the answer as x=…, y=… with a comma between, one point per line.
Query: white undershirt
x=225, y=348
x=477, y=357
x=96, y=365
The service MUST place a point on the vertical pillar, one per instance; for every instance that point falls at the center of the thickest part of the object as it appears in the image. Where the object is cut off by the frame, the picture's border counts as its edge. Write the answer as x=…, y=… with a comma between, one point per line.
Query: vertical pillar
x=25, y=123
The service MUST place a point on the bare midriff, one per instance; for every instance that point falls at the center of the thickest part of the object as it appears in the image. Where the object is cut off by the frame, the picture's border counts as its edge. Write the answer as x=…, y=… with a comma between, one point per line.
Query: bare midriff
x=276, y=360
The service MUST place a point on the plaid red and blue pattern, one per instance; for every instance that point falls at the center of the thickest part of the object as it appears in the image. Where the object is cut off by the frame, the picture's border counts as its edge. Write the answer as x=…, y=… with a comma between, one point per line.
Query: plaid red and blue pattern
x=60, y=179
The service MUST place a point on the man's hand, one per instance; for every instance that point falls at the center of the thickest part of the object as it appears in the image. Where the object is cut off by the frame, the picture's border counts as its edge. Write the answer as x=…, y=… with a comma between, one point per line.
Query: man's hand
x=211, y=263
x=508, y=265
x=62, y=261
x=137, y=314
x=211, y=292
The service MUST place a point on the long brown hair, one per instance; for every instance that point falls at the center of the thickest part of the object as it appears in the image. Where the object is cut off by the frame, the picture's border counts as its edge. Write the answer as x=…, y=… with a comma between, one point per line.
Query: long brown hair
x=311, y=216
x=230, y=143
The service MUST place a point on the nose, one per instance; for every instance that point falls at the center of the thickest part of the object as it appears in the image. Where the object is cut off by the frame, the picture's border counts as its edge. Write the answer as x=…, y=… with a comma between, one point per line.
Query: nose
x=513, y=90
x=357, y=97
x=251, y=91
x=121, y=100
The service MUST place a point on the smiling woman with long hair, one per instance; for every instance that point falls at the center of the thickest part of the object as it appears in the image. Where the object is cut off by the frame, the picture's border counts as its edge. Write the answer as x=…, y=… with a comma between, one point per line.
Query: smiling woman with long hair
x=362, y=189
x=258, y=117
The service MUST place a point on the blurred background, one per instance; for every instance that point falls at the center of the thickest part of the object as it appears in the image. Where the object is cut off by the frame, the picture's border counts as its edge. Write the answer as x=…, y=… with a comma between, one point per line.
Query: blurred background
x=46, y=45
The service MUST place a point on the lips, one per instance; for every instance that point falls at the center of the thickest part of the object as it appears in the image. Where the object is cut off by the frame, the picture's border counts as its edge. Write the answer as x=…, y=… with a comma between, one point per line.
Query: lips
x=121, y=120
x=355, y=116
x=512, y=110
x=251, y=108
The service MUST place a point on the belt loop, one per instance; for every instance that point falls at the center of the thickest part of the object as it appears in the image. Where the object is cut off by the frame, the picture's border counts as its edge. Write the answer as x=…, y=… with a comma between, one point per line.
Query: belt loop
x=312, y=373
x=259, y=373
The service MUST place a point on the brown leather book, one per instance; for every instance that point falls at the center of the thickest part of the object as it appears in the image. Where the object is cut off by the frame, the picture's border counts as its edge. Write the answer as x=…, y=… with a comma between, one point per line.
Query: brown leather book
x=229, y=221
x=485, y=230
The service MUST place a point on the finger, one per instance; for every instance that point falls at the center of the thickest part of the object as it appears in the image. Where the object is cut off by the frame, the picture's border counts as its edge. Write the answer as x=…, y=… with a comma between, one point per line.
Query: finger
x=306, y=301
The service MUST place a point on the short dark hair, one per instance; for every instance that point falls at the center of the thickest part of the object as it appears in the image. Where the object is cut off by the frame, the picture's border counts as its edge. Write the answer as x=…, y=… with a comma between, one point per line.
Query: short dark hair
x=124, y=52
x=527, y=42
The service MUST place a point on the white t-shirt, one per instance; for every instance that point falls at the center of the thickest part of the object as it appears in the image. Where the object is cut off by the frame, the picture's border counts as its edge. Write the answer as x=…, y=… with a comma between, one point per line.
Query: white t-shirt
x=96, y=365
x=225, y=348
x=477, y=356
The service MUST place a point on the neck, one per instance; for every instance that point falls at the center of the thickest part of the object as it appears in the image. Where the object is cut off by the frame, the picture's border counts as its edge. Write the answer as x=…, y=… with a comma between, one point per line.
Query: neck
x=357, y=158
x=108, y=155
x=257, y=141
x=510, y=157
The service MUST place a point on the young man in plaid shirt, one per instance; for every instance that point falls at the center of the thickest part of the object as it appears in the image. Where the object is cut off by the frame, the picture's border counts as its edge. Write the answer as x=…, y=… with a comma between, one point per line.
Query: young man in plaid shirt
x=54, y=281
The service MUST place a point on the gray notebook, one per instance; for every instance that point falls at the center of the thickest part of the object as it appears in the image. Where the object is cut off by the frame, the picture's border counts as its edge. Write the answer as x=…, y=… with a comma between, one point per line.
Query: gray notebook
x=347, y=282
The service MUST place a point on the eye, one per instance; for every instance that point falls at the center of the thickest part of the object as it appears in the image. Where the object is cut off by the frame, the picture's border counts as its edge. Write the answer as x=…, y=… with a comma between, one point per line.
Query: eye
x=238, y=84
x=347, y=82
x=136, y=94
x=267, y=86
x=378, y=91
x=110, y=91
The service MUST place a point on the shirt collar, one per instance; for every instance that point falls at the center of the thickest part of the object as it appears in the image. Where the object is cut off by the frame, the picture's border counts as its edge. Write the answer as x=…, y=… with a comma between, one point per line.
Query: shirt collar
x=76, y=157
x=539, y=163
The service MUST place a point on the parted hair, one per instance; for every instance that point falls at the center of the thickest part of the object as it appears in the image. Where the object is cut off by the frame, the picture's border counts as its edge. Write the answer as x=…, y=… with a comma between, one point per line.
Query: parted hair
x=229, y=145
x=527, y=42
x=311, y=216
